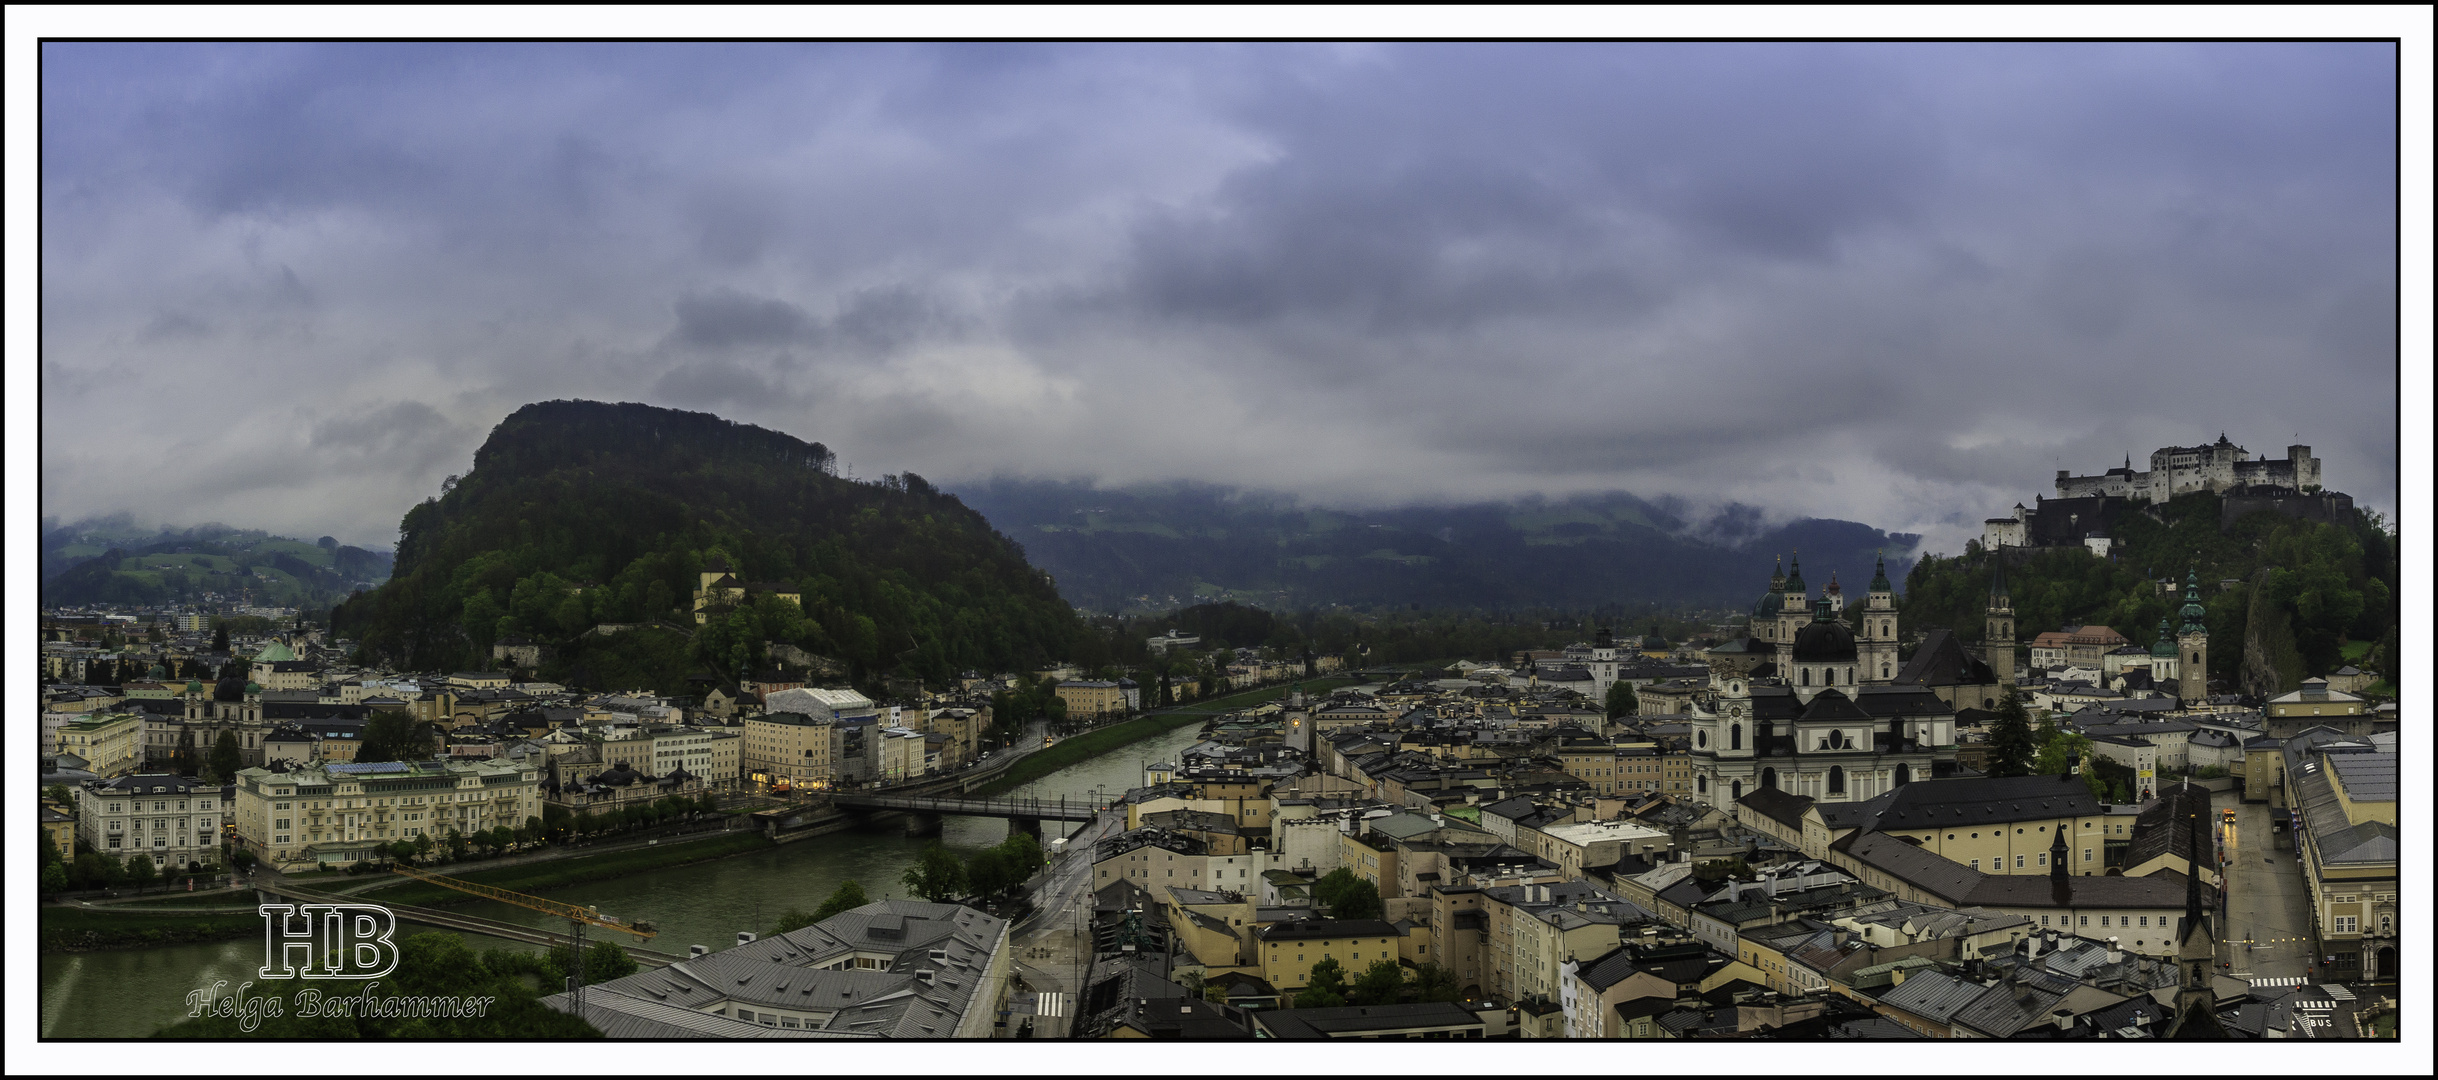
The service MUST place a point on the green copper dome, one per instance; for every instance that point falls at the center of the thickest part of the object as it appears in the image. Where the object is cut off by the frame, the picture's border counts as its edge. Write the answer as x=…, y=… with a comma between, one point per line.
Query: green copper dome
x=252, y=688
x=274, y=653
x=1879, y=581
x=2165, y=646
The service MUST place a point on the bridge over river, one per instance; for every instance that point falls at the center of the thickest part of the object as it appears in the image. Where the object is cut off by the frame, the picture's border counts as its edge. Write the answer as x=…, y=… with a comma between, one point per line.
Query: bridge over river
x=1023, y=813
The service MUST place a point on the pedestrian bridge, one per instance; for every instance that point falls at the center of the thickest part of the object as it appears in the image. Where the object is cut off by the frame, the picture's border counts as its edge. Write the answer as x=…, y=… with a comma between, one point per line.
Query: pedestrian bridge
x=1020, y=809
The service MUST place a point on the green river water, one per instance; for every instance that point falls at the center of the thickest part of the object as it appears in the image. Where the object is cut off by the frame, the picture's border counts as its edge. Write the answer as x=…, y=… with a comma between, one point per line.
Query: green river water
x=134, y=992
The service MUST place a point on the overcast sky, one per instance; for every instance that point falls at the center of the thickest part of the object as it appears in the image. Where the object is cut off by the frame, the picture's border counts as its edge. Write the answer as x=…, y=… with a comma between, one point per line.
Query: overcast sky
x=293, y=286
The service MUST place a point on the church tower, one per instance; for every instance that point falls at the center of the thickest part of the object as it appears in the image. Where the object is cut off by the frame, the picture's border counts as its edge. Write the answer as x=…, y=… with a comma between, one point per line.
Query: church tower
x=1875, y=631
x=1794, y=611
x=1998, y=639
x=2192, y=669
x=2196, y=948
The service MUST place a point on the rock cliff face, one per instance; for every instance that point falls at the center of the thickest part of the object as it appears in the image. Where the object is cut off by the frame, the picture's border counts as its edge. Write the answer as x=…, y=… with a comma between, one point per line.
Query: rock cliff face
x=2272, y=664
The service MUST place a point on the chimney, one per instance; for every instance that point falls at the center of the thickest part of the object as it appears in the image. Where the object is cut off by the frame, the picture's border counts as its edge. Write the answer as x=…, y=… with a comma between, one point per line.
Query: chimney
x=2065, y=1019
x=2115, y=955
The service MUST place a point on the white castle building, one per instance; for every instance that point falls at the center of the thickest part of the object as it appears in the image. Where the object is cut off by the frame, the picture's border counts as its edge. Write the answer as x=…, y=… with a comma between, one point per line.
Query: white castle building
x=2176, y=470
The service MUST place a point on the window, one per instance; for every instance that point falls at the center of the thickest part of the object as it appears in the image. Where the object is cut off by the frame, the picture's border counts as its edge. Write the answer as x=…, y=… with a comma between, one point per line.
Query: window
x=2145, y=920
x=2018, y=862
x=2086, y=854
x=2044, y=920
x=2346, y=924
x=114, y=843
x=2086, y=920
x=1976, y=864
x=2103, y=920
x=2041, y=860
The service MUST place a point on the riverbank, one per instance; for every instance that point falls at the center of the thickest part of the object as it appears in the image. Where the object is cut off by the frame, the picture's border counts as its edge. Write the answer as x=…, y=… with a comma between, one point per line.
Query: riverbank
x=70, y=930
x=1076, y=749
x=570, y=870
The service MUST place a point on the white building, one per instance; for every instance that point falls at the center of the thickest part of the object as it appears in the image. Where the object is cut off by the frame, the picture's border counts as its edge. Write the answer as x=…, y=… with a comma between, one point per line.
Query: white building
x=343, y=812
x=173, y=821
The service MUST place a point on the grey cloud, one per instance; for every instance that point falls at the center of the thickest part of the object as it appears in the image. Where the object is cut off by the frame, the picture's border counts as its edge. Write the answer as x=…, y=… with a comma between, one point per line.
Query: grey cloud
x=1721, y=272
x=726, y=317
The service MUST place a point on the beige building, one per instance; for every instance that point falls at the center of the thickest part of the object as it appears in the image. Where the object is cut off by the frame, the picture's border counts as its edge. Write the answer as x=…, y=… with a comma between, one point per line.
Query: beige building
x=787, y=749
x=2315, y=705
x=1290, y=950
x=1091, y=697
x=175, y=822
x=112, y=744
x=328, y=815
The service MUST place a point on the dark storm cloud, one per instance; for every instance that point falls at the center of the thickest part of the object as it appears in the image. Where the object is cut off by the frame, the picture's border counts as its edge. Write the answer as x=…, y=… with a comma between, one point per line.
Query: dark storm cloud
x=1896, y=283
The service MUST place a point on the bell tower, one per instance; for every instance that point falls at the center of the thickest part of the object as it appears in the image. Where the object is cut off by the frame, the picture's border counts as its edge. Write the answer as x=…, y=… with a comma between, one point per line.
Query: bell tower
x=1875, y=630
x=1794, y=610
x=1998, y=639
x=2192, y=642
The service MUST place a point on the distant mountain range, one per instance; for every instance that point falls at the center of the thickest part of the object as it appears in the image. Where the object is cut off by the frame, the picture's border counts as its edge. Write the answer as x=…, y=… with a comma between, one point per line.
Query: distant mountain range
x=111, y=560
x=1157, y=548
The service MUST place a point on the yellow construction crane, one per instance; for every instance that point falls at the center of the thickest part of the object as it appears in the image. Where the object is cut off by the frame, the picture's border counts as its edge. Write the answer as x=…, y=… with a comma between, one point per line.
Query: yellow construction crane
x=577, y=918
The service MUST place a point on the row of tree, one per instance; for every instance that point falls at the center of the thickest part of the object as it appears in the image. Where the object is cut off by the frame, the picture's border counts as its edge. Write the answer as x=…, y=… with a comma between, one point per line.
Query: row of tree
x=938, y=875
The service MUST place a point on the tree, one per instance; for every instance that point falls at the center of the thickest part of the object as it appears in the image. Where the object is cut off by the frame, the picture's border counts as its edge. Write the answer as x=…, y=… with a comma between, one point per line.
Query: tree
x=141, y=872
x=1435, y=983
x=2010, y=738
x=390, y=735
x=457, y=844
x=1380, y=984
x=1621, y=699
x=1347, y=895
x=502, y=836
x=243, y=860
x=402, y=851
x=848, y=896
x=225, y=759
x=423, y=845
x=54, y=878
x=603, y=961
x=986, y=873
x=1325, y=989
x=220, y=636
x=936, y=875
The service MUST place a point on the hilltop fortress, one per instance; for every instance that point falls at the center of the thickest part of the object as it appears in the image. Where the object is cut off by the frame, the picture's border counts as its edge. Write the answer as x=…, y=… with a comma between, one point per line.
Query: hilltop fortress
x=2087, y=506
x=2176, y=470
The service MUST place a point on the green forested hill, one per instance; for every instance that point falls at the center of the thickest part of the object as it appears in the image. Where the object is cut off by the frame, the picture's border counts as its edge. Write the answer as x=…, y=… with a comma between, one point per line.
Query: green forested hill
x=578, y=513
x=2311, y=597
x=109, y=561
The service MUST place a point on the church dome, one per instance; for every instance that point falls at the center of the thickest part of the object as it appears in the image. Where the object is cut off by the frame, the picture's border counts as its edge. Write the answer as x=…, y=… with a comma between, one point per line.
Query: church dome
x=1768, y=607
x=1824, y=641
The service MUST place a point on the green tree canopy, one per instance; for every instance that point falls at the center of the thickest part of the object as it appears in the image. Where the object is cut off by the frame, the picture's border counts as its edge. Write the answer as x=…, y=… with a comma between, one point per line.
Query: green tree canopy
x=1326, y=988
x=1621, y=699
x=1347, y=895
x=1383, y=983
x=937, y=874
x=390, y=735
x=2010, y=738
x=226, y=759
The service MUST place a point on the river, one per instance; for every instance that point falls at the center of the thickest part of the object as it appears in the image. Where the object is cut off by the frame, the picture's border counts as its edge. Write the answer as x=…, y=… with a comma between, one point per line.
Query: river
x=134, y=992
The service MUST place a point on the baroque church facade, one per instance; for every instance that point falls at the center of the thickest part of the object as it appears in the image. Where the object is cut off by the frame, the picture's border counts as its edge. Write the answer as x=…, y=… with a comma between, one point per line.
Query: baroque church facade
x=1814, y=701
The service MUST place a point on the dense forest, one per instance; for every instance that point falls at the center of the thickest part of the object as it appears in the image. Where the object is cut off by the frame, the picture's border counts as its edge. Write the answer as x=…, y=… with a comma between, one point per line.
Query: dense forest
x=2305, y=599
x=581, y=513
x=1151, y=549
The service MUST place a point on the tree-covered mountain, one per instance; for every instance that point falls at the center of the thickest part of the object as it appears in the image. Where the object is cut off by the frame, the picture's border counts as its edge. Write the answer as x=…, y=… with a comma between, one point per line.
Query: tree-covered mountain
x=110, y=561
x=2305, y=597
x=579, y=513
x=1159, y=548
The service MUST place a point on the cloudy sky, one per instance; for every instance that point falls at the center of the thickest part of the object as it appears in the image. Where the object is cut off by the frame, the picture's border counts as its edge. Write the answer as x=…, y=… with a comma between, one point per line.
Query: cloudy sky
x=293, y=286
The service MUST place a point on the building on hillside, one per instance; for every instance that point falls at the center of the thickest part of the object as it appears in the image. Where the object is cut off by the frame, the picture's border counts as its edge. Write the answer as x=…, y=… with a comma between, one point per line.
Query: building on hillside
x=720, y=591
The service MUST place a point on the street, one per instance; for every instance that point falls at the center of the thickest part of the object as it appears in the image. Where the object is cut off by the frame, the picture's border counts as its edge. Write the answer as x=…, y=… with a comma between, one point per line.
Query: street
x=1054, y=941
x=2266, y=936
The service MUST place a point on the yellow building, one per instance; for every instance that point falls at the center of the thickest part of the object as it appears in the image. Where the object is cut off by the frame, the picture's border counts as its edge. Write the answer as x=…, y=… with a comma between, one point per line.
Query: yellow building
x=1290, y=950
x=787, y=748
x=332, y=814
x=1091, y=697
x=112, y=744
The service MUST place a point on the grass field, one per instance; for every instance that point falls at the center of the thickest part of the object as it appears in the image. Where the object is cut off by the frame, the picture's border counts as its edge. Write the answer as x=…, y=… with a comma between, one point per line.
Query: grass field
x=1092, y=744
x=532, y=877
